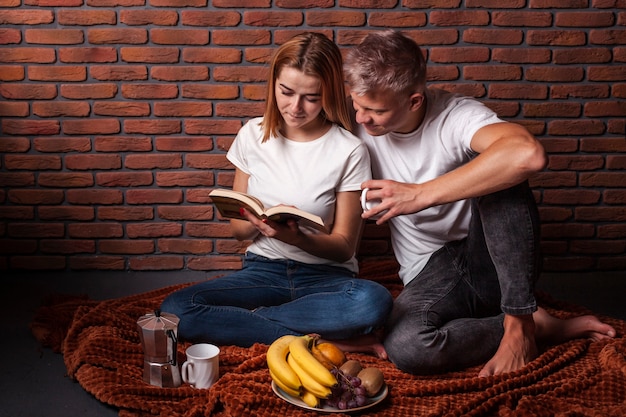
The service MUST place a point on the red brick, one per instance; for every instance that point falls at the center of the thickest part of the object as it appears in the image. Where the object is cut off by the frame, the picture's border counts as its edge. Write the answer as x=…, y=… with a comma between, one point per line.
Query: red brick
x=303, y=4
x=556, y=37
x=614, y=197
x=149, y=91
x=518, y=91
x=581, y=55
x=37, y=263
x=67, y=247
x=571, y=197
x=616, y=161
x=61, y=109
x=184, y=144
x=32, y=162
x=601, y=214
x=121, y=108
x=584, y=19
x=152, y=127
x=606, y=73
x=63, y=36
x=254, y=92
x=212, y=127
x=575, y=162
x=178, y=3
x=149, y=17
x=13, y=213
x=232, y=246
x=15, y=246
x=611, y=231
x=202, y=161
x=209, y=92
x=98, y=54
x=61, y=145
x=184, y=179
x=466, y=54
x=605, y=108
x=603, y=144
x=95, y=230
x=28, y=91
x=14, y=145
x=183, y=109
x=28, y=55
x=30, y=127
x=602, y=179
x=215, y=263
x=131, y=247
x=93, y=162
x=198, y=229
x=36, y=230
x=74, y=17
x=17, y=179
x=11, y=73
x=508, y=4
x=551, y=231
x=555, y=74
x=242, y=3
x=156, y=263
x=579, y=91
x=117, y=36
x=153, y=55
x=26, y=17
x=553, y=179
x=186, y=246
x=88, y=91
x=521, y=55
x=66, y=213
x=459, y=18
x=493, y=36
x=153, y=161
x=555, y=4
x=180, y=73
x=123, y=179
x=125, y=213
x=552, y=109
x=212, y=55
x=119, y=72
x=93, y=127
x=36, y=197
x=239, y=109
x=152, y=196
x=95, y=197
x=115, y=3
x=209, y=18
x=241, y=37
x=396, y=19
x=14, y=109
x=97, y=262
x=575, y=127
x=198, y=195
x=153, y=229
x=335, y=18
x=179, y=36
x=186, y=213
x=119, y=143
x=272, y=18
x=521, y=18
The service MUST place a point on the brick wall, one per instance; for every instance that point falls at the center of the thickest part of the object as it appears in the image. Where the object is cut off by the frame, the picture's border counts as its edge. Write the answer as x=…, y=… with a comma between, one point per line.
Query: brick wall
x=116, y=116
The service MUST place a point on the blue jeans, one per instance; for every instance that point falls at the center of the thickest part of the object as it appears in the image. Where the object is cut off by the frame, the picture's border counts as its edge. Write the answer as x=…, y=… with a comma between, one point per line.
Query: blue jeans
x=270, y=298
x=450, y=316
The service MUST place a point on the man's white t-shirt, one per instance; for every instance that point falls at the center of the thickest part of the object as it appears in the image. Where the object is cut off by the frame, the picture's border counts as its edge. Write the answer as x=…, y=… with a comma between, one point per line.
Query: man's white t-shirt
x=439, y=145
x=306, y=175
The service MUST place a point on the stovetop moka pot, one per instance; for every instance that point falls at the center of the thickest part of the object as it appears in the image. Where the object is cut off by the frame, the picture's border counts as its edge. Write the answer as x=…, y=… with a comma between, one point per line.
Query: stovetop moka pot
x=158, y=333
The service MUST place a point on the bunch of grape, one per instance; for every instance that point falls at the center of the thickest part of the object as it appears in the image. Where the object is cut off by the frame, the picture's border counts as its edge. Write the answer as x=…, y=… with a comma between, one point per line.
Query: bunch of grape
x=348, y=393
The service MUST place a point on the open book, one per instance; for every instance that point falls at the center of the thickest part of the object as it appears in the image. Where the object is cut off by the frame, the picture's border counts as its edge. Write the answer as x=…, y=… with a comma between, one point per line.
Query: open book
x=229, y=202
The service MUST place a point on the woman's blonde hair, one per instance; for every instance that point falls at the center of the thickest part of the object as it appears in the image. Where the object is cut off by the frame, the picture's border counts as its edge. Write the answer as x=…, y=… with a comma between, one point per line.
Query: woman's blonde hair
x=315, y=55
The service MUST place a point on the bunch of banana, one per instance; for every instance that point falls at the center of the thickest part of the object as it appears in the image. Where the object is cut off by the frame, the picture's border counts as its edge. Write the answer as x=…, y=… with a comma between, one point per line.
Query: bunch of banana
x=296, y=371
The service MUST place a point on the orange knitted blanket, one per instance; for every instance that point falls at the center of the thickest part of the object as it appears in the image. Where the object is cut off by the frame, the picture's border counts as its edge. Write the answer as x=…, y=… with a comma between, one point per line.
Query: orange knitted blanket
x=102, y=351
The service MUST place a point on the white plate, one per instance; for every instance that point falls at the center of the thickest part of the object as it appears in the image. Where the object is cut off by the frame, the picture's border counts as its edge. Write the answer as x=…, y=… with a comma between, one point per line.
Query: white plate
x=298, y=402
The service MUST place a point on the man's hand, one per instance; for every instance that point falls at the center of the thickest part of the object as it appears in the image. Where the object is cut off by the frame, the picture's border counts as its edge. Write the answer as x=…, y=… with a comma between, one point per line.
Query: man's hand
x=396, y=198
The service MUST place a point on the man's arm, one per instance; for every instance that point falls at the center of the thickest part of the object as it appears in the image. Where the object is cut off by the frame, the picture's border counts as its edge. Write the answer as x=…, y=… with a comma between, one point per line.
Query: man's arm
x=508, y=155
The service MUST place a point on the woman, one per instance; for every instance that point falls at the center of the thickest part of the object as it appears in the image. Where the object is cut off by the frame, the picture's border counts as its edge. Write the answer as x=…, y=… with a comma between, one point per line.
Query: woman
x=293, y=280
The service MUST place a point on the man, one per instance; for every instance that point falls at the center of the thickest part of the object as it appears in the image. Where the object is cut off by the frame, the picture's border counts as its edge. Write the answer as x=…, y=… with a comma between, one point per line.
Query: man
x=451, y=180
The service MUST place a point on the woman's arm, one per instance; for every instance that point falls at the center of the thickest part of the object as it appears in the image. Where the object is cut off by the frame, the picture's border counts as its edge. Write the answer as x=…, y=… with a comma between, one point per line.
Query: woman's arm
x=242, y=230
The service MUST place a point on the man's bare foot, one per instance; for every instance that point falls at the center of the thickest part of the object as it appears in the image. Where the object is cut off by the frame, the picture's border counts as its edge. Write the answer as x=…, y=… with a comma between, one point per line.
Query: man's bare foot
x=368, y=343
x=552, y=330
x=517, y=347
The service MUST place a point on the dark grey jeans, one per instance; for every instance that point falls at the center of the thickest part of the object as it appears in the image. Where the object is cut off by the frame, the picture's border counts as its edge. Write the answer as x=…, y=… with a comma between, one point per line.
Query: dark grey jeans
x=450, y=316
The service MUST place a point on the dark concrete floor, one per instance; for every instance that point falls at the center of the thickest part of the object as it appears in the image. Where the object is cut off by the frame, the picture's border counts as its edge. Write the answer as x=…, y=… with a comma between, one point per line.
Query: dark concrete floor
x=33, y=382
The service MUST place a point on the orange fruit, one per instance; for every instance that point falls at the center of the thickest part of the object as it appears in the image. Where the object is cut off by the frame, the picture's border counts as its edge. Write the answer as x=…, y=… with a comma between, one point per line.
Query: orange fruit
x=328, y=354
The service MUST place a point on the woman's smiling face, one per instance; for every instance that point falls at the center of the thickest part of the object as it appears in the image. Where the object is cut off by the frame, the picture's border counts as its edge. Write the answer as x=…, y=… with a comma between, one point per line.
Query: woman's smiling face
x=299, y=99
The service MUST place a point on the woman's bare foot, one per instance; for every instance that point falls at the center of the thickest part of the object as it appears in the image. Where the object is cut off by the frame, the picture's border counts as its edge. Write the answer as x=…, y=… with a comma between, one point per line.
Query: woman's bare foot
x=552, y=330
x=368, y=343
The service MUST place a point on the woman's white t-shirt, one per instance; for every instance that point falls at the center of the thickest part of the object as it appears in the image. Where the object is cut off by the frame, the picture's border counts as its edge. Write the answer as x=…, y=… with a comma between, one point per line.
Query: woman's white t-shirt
x=306, y=175
x=439, y=145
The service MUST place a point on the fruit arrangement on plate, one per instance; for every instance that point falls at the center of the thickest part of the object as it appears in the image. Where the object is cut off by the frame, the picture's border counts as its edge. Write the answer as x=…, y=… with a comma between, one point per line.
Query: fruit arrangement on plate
x=318, y=373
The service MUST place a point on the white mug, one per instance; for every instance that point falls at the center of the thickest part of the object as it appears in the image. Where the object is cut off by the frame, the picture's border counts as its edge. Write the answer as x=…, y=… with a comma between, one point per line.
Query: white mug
x=201, y=369
x=368, y=205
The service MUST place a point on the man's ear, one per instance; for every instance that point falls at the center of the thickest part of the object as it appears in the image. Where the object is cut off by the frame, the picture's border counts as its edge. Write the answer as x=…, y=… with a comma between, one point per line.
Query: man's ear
x=417, y=99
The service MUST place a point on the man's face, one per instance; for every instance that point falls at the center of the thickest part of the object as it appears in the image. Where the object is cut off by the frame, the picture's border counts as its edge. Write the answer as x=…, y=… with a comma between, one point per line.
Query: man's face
x=383, y=112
